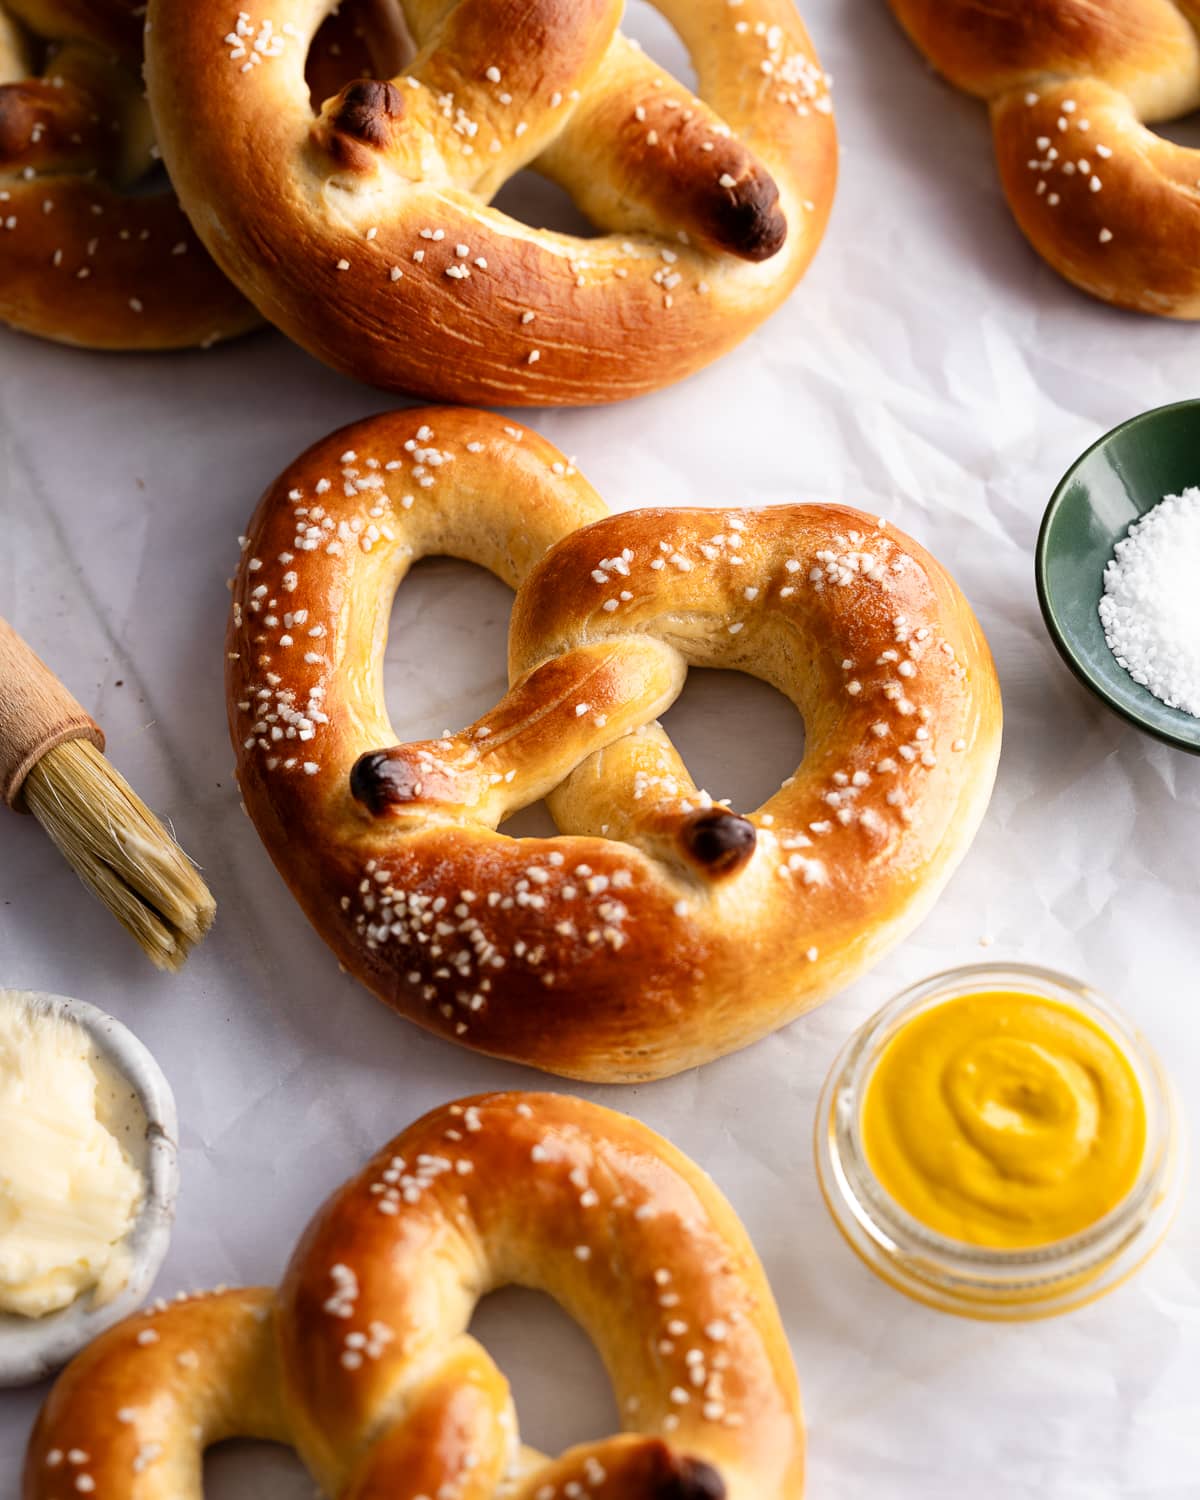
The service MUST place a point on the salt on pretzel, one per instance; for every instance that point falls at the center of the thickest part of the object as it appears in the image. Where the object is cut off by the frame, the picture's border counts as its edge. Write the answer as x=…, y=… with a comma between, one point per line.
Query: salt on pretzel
x=363, y=1363
x=87, y=255
x=366, y=234
x=1112, y=206
x=83, y=259
x=660, y=930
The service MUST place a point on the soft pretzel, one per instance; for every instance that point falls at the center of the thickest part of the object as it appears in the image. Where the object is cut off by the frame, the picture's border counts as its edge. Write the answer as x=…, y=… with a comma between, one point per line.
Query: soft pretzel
x=1111, y=205
x=662, y=929
x=362, y=1360
x=366, y=233
x=88, y=255
x=83, y=258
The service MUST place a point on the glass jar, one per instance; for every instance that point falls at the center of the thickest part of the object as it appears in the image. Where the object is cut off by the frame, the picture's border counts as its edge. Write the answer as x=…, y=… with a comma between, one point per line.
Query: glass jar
x=967, y=1279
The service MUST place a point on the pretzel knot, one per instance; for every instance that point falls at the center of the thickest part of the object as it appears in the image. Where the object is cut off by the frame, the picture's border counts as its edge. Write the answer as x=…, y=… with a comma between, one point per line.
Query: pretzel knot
x=363, y=1363
x=663, y=928
x=1111, y=205
x=366, y=234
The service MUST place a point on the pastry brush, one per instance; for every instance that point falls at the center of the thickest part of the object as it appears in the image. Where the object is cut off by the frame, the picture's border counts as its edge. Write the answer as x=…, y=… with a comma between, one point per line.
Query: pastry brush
x=52, y=765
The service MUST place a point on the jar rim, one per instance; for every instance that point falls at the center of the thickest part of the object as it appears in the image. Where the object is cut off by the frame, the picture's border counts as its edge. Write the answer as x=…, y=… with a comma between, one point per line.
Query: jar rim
x=956, y=1274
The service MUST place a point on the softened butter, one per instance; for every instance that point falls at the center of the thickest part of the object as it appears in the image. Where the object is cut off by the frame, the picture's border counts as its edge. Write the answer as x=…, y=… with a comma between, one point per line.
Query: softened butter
x=69, y=1185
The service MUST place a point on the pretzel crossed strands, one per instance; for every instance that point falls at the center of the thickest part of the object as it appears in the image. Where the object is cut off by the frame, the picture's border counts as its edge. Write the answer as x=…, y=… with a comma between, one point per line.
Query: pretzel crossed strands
x=366, y=233
x=362, y=1360
x=1111, y=205
x=663, y=929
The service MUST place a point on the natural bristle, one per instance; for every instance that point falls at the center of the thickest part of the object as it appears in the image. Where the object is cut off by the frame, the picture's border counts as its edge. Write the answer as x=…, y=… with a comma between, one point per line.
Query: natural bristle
x=120, y=850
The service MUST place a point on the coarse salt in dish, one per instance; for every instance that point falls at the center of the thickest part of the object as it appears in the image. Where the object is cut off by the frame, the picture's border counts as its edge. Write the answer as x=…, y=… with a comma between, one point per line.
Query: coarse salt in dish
x=1151, y=605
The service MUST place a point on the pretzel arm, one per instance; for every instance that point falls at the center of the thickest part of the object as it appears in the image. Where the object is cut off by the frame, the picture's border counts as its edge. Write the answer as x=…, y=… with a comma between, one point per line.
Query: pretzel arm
x=554, y=717
x=94, y=251
x=1114, y=207
x=504, y=85
x=44, y=127
x=642, y=153
x=456, y=1428
x=1108, y=204
x=133, y=1414
x=640, y=791
x=469, y=110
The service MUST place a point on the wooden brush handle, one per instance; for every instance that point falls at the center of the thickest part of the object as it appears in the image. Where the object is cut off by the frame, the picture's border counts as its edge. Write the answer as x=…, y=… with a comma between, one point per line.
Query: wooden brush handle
x=36, y=713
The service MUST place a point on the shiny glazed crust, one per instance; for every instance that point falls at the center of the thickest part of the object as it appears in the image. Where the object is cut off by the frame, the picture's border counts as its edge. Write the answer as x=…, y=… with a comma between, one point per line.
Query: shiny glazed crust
x=362, y=1360
x=82, y=260
x=88, y=255
x=660, y=930
x=1111, y=205
x=366, y=233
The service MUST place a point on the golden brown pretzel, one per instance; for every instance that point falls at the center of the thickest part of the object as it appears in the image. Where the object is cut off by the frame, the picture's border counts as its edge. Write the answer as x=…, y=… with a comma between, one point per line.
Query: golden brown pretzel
x=1112, y=206
x=363, y=1363
x=366, y=233
x=660, y=930
x=83, y=259
x=87, y=254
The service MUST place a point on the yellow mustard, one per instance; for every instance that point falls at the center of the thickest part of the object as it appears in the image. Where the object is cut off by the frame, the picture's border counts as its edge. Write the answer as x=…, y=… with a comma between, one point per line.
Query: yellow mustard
x=1004, y=1120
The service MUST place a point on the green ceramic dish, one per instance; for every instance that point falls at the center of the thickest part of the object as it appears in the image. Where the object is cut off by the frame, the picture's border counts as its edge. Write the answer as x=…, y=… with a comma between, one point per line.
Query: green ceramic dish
x=1117, y=480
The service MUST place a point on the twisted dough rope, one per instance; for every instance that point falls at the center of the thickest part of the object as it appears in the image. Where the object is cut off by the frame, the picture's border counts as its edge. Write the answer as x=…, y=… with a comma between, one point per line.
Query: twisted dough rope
x=362, y=1361
x=87, y=255
x=661, y=930
x=1112, y=206
x=366, y=234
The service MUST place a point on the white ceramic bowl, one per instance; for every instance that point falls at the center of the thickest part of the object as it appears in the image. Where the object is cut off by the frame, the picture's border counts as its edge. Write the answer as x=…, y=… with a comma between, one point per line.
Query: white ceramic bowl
x=32, y=1348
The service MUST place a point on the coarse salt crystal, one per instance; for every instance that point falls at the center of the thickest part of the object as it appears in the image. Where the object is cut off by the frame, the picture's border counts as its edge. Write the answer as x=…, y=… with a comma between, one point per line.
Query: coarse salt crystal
x=1149, y=610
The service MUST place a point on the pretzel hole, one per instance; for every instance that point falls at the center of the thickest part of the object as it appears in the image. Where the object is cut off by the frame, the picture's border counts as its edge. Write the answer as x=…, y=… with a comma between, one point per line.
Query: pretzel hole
x=466, y=609
x=1182, y=132
x=149, y=184
x=559, y=1385
x=717, y=717
x=534, y=200
x=244, y=1470
x=35, y=51
x=358, y=39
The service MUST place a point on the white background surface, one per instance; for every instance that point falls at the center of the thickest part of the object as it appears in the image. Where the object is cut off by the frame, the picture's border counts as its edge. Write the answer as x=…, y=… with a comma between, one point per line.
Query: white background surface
x=929, y=369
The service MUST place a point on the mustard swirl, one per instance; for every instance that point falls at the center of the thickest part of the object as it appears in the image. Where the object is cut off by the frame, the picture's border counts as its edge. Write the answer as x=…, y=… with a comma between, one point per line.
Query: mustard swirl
x=1004, y=1120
